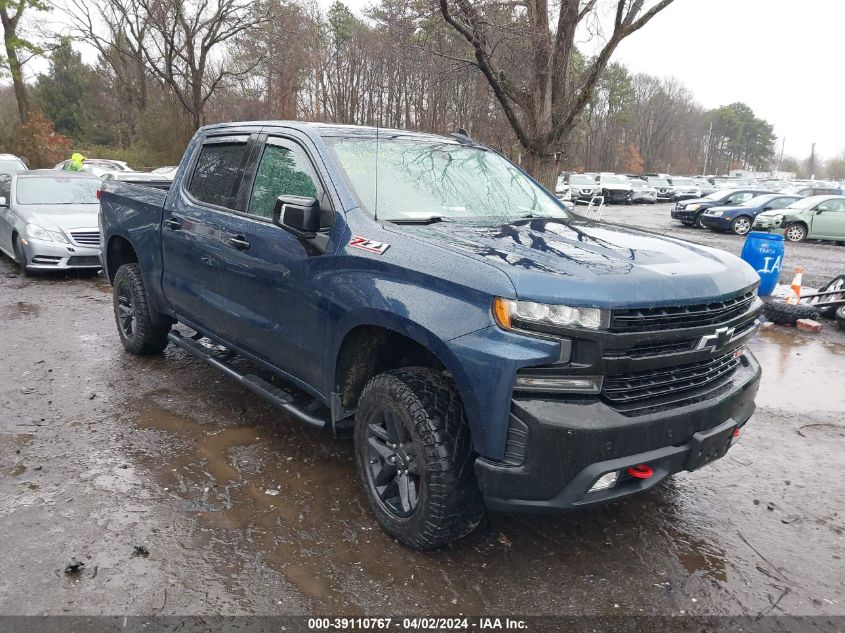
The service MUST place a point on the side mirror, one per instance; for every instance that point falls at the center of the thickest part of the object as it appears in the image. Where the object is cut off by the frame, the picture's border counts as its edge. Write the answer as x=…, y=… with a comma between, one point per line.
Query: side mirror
x=820, y=210
x=767, y=208
x=3, y=201
x=299, y=215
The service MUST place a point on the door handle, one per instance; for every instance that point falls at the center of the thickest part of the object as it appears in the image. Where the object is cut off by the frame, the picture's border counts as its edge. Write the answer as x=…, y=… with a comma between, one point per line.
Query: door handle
x=174, y=224
x=238, y=241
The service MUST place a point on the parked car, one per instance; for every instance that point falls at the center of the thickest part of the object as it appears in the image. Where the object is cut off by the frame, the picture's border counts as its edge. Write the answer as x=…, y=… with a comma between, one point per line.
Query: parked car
x=814, y=217
x=642, y=191
x=684, y=188
x=481, y=343
x=97, y=166
x=48, y=221
x=739, y=219
x=577, y=188
x=704, y=186
x=138, y=177
x=806, y=191
x=10, y=164
x=664, y=189
x=166, y=172
x=689, y=213
x=614, y=188
x=725, y=183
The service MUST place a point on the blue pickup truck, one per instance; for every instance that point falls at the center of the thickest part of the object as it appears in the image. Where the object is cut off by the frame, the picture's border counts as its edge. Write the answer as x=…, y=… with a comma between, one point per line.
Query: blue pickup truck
x=483, y=345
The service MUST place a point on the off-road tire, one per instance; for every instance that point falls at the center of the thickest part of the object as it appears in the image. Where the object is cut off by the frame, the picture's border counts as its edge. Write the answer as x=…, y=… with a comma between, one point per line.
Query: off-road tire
x=840, y=318
x=739, y=222
x=449, y=503
x=791, y=232
x=145, y=337
x=784, y=313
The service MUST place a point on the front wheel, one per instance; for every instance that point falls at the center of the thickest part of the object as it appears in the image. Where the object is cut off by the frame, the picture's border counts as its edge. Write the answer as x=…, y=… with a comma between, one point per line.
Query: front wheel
x=698, y=223
x=741, y=225
x=795, y=232
x=412, y=448
x=138, y=333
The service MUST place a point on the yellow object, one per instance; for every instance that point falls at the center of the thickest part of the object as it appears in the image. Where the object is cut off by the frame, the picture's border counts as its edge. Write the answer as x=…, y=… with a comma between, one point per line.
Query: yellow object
x=76, y=162
x=502, y=313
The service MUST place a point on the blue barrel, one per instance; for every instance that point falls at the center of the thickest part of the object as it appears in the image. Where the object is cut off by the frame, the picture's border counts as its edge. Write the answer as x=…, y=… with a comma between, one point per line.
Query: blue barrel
x=764, y=251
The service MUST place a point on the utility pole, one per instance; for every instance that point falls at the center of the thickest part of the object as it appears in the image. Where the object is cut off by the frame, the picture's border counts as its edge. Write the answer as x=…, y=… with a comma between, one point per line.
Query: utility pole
x=782, y=146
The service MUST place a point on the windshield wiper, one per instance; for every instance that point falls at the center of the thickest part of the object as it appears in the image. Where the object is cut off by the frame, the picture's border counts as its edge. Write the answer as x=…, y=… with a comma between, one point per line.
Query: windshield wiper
x=430, y=219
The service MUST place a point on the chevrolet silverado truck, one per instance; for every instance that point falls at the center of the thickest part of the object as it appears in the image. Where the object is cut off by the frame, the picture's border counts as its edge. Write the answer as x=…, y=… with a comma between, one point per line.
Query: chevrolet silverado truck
x=482, y=345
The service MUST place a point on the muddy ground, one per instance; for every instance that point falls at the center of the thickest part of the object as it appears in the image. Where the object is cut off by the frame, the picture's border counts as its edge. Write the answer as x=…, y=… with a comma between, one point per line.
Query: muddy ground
x=243, y=511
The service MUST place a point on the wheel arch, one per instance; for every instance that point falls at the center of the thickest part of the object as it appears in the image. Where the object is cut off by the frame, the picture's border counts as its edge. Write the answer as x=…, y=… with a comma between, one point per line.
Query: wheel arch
x=119, y=251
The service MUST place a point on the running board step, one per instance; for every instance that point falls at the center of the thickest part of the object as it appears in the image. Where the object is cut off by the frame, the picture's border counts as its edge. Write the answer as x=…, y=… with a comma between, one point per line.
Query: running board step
x=257, y=385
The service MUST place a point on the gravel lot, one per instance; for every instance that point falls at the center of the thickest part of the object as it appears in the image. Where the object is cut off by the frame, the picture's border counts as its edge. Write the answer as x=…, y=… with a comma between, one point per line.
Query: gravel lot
x=246, y=512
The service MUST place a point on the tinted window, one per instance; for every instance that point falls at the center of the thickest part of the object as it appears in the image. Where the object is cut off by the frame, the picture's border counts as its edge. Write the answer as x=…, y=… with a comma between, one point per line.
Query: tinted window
x=282, y=171
x=57, y=190
x=5, y=187
x=217, y=173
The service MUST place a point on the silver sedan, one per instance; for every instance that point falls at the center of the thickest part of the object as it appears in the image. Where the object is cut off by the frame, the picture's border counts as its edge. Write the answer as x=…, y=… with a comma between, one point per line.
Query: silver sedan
x=48, y=221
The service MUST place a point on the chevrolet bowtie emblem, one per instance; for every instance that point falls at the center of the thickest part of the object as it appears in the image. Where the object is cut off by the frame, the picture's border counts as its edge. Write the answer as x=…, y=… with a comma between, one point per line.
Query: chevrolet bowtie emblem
x=716, y=341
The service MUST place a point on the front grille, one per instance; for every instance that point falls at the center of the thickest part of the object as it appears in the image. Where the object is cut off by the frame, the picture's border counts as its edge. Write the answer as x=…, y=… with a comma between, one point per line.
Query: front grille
x=641, y=386
x=675, y=317
x=86, y=238
x=83, y=260
x=653, y=349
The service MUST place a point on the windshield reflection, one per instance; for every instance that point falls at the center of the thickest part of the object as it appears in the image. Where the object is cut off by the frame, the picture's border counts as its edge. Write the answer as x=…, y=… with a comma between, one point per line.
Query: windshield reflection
x=405, y=179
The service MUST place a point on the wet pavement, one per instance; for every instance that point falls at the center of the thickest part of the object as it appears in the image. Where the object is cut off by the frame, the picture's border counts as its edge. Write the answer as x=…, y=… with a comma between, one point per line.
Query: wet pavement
x=246, y=512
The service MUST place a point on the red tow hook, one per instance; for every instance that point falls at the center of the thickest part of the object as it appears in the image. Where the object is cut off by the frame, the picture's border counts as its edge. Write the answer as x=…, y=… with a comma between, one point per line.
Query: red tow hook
x=641, y=471
x=737, y=433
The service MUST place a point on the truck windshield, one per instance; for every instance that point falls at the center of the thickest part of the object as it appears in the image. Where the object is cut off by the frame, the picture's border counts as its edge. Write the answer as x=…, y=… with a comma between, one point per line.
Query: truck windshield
x=57, y=190
x=409, y=180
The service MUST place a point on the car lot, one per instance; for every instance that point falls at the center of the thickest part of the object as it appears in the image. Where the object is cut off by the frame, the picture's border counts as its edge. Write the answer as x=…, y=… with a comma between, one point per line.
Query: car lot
x=821, y=261
x=243, y=511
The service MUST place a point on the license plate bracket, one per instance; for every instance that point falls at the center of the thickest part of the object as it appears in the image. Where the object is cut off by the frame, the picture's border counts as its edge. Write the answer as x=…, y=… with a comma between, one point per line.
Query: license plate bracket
x=708, y=446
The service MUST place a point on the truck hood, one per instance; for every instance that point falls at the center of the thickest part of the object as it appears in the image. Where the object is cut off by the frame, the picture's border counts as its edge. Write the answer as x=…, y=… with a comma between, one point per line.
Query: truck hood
x=63, y=216
x=587, y=263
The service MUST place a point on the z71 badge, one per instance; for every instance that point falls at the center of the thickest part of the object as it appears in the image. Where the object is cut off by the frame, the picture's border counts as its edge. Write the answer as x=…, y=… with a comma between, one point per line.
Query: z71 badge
x=368, y=245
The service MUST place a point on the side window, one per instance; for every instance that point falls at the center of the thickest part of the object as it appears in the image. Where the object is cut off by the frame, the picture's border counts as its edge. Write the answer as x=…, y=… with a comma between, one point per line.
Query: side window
x=217, y=173
x=283, y=171
x=6, y=187
x=739, y=198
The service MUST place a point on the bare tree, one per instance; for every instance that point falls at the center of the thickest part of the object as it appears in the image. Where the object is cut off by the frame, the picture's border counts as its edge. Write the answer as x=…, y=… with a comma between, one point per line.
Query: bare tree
x=11, y=13
x=543, y=105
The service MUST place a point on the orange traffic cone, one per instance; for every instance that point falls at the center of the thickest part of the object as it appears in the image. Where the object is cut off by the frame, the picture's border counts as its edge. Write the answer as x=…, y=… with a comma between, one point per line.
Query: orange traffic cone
x=795, y=295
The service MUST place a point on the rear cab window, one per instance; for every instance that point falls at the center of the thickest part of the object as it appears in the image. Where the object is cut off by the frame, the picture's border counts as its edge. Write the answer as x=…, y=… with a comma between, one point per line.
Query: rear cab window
x=218, y=171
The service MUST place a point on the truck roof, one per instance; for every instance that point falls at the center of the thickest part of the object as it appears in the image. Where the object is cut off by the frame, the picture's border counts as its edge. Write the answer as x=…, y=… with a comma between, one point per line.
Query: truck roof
x=332, y=129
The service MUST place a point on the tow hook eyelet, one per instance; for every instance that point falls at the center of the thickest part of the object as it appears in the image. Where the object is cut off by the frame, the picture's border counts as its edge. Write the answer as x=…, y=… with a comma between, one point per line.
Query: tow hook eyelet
x=640, y=471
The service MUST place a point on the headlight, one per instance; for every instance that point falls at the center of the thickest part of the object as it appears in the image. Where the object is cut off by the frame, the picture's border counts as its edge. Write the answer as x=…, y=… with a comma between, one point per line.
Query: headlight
x=716, y=214
x=693, y=207
x=35, y=232
x=510, y=313
x=58, y=236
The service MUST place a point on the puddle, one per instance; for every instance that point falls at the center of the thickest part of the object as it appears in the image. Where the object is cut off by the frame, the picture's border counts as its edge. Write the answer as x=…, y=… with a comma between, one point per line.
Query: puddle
x=799, y=373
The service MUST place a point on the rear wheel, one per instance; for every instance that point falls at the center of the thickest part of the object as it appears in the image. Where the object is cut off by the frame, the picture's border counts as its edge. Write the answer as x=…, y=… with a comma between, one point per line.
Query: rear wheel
x=412, y=448
x=840, y=318
x=138, y=333
x=795, y=232
x=741, y=225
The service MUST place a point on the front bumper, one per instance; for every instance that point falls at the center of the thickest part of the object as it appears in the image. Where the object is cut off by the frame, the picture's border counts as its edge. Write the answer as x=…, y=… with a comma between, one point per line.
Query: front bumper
x=566, y=445
x=684, y=215
x=42, y=255
x=644, y=197
x=763, y=223
x=716, y=222
x=612, y=196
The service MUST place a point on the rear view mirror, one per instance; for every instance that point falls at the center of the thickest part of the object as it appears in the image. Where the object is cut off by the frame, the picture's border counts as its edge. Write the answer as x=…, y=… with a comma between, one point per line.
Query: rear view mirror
x=299, y=215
